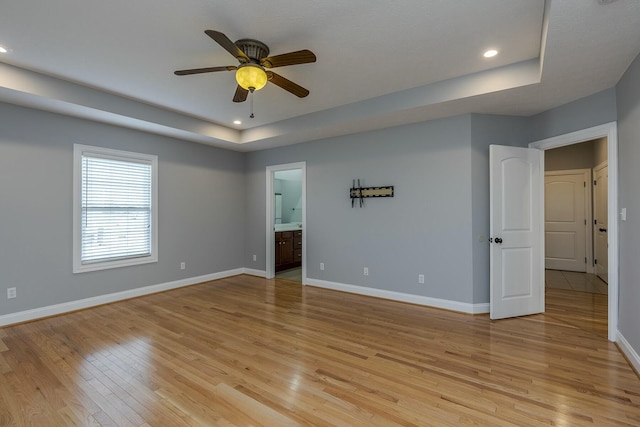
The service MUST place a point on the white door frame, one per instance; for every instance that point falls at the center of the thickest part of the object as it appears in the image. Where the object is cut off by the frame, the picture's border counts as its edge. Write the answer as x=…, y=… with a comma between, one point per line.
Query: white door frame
x=270, y=237
x=597, y=168
x=608, y=130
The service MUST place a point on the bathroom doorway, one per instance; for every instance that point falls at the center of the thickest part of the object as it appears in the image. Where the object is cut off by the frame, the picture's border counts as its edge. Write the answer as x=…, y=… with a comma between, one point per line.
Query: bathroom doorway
x=286, y=234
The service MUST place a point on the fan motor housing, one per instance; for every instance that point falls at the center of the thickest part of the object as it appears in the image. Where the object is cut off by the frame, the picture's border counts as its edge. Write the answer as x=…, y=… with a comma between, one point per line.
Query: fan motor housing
x=254, y=49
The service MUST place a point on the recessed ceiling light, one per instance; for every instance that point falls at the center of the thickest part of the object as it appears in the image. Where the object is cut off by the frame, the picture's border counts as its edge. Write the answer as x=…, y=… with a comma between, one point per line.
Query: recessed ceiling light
x=237, y=122
x=4, y=49
x=490, y=53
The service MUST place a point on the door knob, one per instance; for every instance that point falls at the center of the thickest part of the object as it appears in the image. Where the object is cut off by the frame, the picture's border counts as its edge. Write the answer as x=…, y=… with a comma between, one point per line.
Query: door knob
x=604, y=230
x=498, y=240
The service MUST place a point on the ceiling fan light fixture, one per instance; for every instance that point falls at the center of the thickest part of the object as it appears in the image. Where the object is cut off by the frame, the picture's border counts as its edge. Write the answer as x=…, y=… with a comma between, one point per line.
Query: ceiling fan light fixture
x=251, y=77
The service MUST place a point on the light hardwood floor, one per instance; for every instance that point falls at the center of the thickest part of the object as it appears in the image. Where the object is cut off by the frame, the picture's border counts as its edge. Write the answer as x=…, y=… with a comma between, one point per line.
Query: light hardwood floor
x=248, y=351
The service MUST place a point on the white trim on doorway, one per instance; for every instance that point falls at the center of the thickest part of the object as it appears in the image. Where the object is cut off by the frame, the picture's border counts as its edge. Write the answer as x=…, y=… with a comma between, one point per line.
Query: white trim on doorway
x=594, y=226
x=608, y=130
x=270, y=238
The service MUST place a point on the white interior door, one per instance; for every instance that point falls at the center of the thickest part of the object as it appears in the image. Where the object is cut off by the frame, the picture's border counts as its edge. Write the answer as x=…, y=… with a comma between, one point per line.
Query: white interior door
x=565, y=219
x=601, y=220
x=517, y=267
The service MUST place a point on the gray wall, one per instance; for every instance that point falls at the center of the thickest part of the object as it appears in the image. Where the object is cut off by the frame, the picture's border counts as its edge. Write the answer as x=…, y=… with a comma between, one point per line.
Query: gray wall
x=201, y=193
x=628, y=96
x=425, y=229
x=594, y=110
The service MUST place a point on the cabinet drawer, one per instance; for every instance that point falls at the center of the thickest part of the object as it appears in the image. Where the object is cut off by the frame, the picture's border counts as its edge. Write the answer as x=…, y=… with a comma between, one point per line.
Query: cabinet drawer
x=286, y=234
x=297, y=255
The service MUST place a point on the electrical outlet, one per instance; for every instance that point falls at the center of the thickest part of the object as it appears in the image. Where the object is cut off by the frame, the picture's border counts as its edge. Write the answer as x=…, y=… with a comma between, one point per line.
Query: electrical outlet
x=322, y=266
x=366, y=271
x=183, y=265
x=11, y=293
x=255, y=258
x=421, y=278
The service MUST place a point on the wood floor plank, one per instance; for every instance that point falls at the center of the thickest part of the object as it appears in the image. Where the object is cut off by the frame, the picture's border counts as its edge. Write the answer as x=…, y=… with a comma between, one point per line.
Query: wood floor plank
x=249, y=351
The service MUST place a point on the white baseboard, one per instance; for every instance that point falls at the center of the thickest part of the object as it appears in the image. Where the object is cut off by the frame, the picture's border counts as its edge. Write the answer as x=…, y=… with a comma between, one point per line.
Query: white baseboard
x=399, y=296
x=628, y=351
x=253, y=272
x=52, y=310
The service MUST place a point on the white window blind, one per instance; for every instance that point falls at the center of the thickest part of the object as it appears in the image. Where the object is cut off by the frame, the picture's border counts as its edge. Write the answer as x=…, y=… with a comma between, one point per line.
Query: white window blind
x=116, y=210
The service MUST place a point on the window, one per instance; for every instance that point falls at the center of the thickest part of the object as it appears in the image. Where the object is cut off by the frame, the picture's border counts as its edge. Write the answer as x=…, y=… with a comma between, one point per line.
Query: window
x=114, y=208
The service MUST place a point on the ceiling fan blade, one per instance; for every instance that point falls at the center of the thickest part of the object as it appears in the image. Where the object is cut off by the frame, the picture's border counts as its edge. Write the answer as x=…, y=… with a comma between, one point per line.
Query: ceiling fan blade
x=228, y=45
x=204, y=70
x=292, y=58
x=287, y=84
x=240, y=95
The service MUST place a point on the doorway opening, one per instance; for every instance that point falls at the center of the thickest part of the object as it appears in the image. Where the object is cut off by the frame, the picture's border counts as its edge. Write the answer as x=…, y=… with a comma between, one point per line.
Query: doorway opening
x=576, y=218
x=286, y=237
x=609, y=235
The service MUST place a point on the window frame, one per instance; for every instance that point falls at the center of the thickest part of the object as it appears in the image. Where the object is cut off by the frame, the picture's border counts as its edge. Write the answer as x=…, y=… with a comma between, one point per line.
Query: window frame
x=79, y=151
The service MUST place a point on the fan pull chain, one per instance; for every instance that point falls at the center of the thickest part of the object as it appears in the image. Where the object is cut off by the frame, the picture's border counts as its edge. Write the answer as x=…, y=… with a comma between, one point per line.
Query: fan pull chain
x=251, y=116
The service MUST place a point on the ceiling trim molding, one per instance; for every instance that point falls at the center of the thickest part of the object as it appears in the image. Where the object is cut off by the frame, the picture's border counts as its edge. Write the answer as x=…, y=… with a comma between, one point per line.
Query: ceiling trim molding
x=34, y=90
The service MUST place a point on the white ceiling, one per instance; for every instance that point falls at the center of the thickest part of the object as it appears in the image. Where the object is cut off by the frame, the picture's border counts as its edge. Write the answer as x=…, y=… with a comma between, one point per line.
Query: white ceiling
x=380, y=63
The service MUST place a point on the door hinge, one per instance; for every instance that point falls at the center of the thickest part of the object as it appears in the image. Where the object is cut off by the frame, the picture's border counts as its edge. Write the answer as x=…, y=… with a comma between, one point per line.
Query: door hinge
x=585, y=184
x=595, y=261
x=585, y=260
x=585, y=222
x=595, y=182
x=595, y=222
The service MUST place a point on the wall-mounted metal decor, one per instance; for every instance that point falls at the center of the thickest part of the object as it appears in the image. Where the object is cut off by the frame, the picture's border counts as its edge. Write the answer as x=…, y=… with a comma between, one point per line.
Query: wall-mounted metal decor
x=362, y=193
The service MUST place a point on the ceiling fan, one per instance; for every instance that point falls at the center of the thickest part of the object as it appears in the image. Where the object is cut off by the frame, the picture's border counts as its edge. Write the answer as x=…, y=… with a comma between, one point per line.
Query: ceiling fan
x=253, y=57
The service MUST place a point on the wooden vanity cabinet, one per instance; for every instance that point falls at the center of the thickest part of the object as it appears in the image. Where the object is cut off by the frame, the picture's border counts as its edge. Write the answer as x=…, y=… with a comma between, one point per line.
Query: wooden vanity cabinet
x=288, y=249
x=297, y=247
